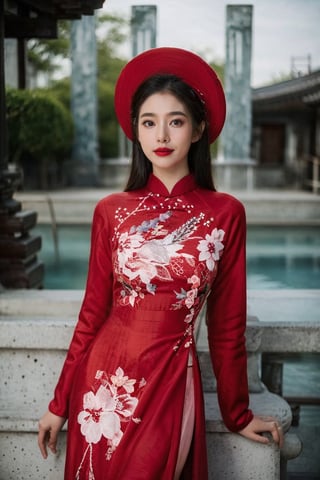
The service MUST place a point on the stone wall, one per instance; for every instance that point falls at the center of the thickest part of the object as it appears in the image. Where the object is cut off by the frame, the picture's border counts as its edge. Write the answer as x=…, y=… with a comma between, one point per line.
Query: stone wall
x=35, y=330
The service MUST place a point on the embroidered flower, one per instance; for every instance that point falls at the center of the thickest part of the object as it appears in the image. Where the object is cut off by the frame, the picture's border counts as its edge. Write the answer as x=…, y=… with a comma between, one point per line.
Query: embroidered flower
x=195, y=281
x=104, y=410
x=122, y=380
x=191, y=296
x=210, y=249
x=143, y=255
x=98, y=416
x=128, y=294
x=190, y=316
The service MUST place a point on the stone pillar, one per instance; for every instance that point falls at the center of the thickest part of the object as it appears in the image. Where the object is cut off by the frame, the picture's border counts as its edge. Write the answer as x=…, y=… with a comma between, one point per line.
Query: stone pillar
x=143, y=37
x=143, y=28
x=236, y=137
x=235, y=164
x=84, y=164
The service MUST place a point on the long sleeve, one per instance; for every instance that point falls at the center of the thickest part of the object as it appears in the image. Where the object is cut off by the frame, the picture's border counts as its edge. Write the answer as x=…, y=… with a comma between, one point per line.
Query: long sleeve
x=226, y=321
x=94, y=310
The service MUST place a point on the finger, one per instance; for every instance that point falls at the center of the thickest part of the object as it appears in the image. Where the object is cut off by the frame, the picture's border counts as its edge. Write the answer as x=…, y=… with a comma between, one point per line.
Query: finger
x=52, y=443
x=276, y=432
x=280, y=436
x=260, y=438
x=42, y=441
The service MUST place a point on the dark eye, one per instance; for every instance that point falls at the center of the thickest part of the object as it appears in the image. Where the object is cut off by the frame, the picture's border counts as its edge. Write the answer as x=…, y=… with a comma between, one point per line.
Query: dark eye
x=148, y=123
x=176, y=122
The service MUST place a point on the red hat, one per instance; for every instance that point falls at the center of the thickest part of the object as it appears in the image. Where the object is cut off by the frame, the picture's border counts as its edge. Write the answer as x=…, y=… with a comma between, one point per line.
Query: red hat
x=184, y=64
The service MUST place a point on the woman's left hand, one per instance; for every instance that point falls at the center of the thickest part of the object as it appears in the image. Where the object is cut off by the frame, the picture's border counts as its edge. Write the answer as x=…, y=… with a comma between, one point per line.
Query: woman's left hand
x=259, y=425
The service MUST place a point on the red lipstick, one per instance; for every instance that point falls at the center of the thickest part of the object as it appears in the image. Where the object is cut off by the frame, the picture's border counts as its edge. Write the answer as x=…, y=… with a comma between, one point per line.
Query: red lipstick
x=163, y=152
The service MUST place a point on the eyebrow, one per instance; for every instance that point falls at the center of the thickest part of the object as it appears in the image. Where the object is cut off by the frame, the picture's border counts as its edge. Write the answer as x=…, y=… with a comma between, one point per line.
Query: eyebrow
x=171, y=114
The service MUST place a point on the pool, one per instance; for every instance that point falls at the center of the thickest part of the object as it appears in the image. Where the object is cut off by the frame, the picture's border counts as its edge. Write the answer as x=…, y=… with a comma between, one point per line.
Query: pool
x=277, y=257
x=283, y=257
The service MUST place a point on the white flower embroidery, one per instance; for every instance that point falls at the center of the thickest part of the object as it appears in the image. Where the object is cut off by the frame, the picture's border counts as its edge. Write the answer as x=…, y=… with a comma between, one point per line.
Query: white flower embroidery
x=98, y=416
x=210, y=249
x=104, y=410
x=121, y=380
x=147, y=260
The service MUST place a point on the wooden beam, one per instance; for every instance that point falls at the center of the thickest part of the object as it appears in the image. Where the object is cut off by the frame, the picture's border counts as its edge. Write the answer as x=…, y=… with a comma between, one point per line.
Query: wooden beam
x=38, y=6
x=21, y=27
x=57, y=9
x=22, y=80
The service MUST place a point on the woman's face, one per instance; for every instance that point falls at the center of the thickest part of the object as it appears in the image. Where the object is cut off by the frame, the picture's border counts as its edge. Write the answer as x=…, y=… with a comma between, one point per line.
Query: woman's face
x=165, y=132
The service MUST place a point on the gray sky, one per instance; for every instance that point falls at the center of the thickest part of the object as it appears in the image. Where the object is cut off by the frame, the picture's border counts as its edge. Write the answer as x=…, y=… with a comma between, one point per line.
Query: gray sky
x=281, y=29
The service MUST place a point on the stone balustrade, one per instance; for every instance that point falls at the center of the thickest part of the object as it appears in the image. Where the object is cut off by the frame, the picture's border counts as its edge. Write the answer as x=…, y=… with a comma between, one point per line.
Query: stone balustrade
x=76, y=206
x=35, y=330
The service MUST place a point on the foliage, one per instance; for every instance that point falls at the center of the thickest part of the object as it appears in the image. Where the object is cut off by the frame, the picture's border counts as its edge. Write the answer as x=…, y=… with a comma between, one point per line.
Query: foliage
x=40, y=129
x=111, y=32
x=108, y=125
x=38, y=123
x=44, y=55
x=107, y=122
x=60, y=89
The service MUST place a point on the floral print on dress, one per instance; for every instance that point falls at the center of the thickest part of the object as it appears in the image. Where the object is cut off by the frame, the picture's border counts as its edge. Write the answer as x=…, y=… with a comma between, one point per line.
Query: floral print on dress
x=104, y=410
x=149, y=251
x=211, y=248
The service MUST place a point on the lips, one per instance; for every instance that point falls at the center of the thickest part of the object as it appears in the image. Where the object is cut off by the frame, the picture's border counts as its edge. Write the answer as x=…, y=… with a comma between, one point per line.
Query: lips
x=163, y=152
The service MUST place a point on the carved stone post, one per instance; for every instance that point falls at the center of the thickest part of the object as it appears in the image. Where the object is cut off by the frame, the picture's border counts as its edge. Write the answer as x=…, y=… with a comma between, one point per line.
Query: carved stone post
x=143, y=37
x=84, y=164
x=143, y=28
x=236, y=144
x=235, y=165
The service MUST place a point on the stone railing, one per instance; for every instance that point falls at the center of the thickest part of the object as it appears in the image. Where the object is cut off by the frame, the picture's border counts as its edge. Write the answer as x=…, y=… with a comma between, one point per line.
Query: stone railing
x=35, y=330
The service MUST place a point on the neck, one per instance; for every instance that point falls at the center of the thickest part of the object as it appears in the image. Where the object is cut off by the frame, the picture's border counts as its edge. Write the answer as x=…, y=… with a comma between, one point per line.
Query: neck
x=169, y=179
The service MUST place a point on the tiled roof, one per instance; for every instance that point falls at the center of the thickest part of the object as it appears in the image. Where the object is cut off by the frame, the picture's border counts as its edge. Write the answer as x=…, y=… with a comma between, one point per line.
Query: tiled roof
x=304, y=90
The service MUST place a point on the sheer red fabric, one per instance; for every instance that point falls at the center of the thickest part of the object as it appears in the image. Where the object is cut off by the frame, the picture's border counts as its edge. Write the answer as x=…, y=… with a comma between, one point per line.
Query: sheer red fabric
x=156, y=257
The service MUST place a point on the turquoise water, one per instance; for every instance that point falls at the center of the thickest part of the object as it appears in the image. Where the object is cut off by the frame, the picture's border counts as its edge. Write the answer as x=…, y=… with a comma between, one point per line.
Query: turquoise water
x=283, y=257
x=277, y=257
x=65, y=266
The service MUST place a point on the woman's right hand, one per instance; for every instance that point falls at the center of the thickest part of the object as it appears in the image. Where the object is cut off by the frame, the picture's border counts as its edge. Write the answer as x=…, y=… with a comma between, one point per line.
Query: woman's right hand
x=49, y=427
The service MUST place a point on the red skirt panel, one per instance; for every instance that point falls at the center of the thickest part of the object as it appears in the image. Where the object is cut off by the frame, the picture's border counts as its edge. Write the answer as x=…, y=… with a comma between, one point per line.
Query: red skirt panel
x=127, y=401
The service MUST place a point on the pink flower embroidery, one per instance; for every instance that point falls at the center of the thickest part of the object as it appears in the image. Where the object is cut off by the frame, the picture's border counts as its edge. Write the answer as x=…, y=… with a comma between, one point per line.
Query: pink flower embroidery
x=195, y=281
x=190, y=298
x=210, y=249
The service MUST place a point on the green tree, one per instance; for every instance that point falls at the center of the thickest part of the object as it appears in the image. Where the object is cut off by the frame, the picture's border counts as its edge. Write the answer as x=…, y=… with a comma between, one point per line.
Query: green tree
x=40, y=132
x=44, y=55
x=111, y=34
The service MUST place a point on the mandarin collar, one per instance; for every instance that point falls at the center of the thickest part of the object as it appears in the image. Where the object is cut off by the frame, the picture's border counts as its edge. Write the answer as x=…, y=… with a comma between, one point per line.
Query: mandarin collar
x=184, y=185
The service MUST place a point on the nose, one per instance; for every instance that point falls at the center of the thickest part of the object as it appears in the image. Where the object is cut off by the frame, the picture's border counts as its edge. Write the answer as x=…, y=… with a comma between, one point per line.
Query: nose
x=162, y=134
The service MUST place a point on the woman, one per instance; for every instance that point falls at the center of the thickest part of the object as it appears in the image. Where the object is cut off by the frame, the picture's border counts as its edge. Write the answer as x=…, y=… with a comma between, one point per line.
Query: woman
x=130, y=386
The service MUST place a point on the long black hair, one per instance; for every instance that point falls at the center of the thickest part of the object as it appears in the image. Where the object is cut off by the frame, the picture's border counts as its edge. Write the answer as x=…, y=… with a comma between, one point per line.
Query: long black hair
x=199, y=160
